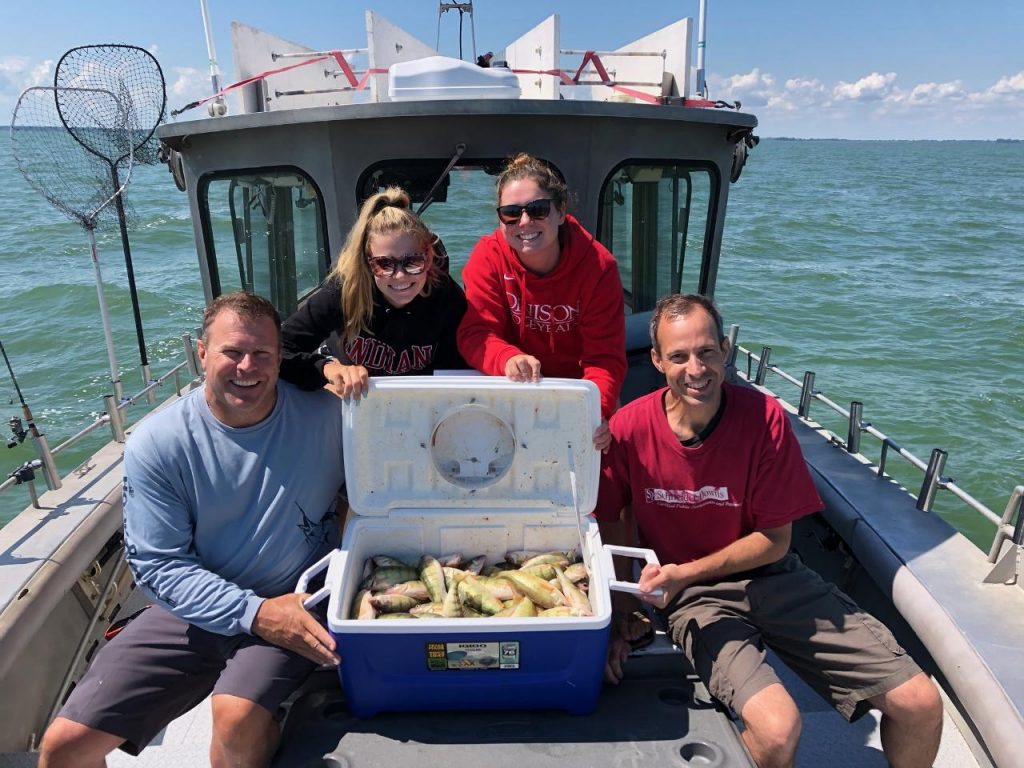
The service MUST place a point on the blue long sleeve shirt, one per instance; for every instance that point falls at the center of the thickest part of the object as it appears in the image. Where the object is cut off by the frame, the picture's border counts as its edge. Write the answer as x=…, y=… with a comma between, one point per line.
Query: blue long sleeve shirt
x=217, y=519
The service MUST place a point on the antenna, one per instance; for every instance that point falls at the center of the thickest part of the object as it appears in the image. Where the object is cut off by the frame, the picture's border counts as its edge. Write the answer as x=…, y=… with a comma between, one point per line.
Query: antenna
x=218, y=107
x=702, y=86
x=462, y=8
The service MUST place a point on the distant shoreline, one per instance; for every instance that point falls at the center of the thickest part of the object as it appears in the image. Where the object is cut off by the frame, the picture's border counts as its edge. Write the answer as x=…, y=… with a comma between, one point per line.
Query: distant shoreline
x=836, y=138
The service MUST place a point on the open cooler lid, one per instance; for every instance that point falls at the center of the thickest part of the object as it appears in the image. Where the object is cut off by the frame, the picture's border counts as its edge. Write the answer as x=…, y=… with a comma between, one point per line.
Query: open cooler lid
x=418, y=442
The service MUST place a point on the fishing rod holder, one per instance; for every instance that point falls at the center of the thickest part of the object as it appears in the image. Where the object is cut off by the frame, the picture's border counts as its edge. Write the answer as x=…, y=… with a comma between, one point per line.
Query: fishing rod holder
x=1008, y=569
x=26, y=475
x=18, y=432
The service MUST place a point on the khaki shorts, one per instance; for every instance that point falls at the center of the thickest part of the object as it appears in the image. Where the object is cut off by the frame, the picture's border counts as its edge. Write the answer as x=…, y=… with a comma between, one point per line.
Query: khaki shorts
x=842, y=652
x=159, y=667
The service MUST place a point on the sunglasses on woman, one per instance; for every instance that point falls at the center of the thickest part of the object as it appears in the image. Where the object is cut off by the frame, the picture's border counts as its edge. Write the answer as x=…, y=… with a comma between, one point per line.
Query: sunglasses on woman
x=537, y=210
x=385, y=266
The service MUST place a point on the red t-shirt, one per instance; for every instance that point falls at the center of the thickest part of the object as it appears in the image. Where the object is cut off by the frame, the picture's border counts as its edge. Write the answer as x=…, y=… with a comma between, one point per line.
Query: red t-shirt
x=689, y=502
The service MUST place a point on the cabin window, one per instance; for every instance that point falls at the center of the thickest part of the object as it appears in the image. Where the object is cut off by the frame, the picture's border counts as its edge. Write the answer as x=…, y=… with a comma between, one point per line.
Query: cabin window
x=265, y=233
x=655, y=218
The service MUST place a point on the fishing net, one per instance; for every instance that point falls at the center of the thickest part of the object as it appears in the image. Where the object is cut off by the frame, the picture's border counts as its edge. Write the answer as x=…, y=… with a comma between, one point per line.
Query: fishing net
x=72, y=175
x=133, y=75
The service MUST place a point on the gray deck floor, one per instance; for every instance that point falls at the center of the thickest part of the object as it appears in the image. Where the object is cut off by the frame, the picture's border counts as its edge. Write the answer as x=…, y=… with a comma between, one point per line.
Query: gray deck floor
x=827, y=738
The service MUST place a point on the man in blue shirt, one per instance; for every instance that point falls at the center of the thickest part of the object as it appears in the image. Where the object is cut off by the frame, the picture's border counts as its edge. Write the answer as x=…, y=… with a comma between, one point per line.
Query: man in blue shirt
x=229, y=494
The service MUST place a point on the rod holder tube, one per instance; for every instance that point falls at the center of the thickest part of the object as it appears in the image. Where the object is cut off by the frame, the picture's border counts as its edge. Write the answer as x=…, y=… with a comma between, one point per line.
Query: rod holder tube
x=853, y=434
x=190, y=355
x=806, y=393
x=762, y=365
x=936, y=463
x=116, y=426
x=732, y=336
x=147, y=379
x=49, y=466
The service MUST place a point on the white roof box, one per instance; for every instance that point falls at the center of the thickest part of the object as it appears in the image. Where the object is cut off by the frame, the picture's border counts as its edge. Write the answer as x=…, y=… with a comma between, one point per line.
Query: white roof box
x=441, y=77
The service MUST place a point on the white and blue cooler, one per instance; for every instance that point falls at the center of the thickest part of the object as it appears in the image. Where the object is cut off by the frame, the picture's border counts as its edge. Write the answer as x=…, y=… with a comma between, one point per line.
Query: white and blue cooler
x=472, y=465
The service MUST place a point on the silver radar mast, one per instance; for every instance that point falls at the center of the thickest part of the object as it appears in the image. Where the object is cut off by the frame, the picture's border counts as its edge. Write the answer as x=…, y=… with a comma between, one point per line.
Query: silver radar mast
x=702, y=86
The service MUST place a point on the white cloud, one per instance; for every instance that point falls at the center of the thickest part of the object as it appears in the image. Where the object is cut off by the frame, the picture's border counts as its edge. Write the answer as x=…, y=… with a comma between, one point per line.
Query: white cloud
x=934, y=93
x=18, y=73
x=1013, y=85
x=752, y=89
x=873, y=87
x=875, y=106
x=187, y=81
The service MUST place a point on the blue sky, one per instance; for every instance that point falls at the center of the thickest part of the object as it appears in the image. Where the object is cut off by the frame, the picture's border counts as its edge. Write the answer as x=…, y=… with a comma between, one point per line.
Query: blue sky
x=870, y=69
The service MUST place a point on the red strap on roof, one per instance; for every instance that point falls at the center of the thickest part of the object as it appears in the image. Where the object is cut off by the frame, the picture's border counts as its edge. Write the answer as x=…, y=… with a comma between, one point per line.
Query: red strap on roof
x=338, y=57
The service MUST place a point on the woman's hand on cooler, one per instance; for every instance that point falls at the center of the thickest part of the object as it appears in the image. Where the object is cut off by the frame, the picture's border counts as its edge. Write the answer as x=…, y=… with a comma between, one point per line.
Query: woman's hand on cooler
x=523, y=368
x=346, y=380
x=602, y=436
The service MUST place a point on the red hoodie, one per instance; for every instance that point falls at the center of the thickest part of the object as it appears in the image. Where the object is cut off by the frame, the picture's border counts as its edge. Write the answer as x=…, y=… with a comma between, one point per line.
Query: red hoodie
x=573, y=320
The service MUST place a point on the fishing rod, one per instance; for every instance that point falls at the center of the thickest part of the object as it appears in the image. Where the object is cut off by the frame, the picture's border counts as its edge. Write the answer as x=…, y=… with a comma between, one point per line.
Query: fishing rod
x=19, y=433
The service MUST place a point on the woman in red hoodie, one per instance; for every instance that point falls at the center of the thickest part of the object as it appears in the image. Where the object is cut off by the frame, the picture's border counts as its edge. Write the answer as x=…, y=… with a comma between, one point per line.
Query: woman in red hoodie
x=544, y=297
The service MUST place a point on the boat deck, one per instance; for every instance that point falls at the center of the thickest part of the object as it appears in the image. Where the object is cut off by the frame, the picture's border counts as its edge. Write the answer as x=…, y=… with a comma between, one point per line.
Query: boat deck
x=657, y=716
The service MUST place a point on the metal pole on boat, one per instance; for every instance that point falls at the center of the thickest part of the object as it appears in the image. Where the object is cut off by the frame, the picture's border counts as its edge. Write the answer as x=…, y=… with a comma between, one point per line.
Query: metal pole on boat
x=115, y=376
x=702, y=89
x=932, y=478
x=218, y=107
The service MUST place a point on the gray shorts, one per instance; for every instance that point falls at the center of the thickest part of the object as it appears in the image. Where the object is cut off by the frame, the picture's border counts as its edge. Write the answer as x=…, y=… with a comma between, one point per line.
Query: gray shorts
x=842, y=652
x=159, y=667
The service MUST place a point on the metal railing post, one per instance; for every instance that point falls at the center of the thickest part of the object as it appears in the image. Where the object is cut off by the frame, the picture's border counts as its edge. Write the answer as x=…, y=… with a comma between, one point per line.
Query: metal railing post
x=806, y=392
x=932, y=475
x=853, y=433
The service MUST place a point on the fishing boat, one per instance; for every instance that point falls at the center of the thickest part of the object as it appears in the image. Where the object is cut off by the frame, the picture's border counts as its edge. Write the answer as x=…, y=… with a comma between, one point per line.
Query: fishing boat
x=273, y=186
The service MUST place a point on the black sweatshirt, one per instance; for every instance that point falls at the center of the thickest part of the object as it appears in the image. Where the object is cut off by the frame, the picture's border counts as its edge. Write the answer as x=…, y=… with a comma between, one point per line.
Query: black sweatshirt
x=415, y=339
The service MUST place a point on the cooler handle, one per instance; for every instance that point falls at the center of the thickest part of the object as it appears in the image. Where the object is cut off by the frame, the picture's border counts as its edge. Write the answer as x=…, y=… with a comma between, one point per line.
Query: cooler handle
x=629, y=586
x=307, y=576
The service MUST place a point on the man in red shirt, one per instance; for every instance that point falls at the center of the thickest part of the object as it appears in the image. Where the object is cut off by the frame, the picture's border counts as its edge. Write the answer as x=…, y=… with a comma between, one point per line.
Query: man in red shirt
x=711, y=476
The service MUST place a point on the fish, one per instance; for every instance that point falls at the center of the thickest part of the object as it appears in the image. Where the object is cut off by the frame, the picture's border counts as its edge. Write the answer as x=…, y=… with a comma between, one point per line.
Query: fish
x=393, y=603
x=452, y=576
x=502, y=589
x=544, y=571
x=474, y=595
x=416, y=589
x=451, y=608
x=538, y=590
x=432, y=575
x=422, y=608
x=576, y=573
x=362, y=607
x=576, y=598
x=548, y=558
x=388, y=576
x=560, y=610
x=381, y=561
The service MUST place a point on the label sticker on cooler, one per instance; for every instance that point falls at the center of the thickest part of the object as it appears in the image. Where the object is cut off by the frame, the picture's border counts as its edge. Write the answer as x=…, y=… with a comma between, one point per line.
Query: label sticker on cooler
x=463, y=656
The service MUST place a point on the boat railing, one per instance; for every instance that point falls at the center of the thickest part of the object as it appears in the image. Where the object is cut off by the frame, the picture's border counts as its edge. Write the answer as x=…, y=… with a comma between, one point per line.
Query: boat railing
x=115, y=417
x=757, y=367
